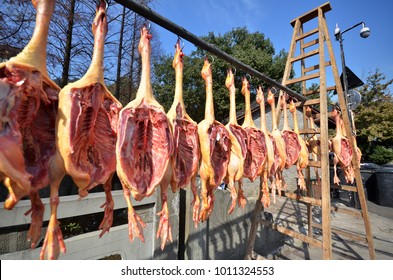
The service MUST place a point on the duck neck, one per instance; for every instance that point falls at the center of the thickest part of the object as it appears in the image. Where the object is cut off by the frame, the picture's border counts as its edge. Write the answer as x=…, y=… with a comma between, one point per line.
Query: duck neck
x=274, y=117
x=209, y=110
x=295, y=124
x=232, y=106
x=96, y=69
x=247, y=116
x=263, y=114
x=35, y=51
x=145, y=89
x=178, y=98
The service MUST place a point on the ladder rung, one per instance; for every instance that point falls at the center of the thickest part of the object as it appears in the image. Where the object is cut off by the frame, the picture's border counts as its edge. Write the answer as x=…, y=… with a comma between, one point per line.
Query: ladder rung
x=305, y=55
x=317, y=90
x=291, y=233
x=301, y=79
x=312, y=14
x=354, y=212
x=316, y=67
x=350, y=235
x=300, y=198
x=305, y=199
x=309, y=131
x=318, y=116
x=310, y=43
x=305, y=35
x=345, y=188
x=307, y=102
x=314, y=163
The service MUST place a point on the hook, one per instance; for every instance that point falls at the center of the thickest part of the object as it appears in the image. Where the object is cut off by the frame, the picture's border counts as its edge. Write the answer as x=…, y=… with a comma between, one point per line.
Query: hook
x=249, y=80
x=273, y=90
x=101, y=2
x=179, y=39
x=230, y=69
x=146, y=25
x=212, y=57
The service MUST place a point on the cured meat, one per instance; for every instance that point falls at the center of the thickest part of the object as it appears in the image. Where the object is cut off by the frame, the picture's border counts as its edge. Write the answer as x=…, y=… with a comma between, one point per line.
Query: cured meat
x=291, y=139
x=238, y=137
x=280, y=153
x=215, y=148
x=342, y=151
x=269, y=168
x=313, y=143
x=187, y=152
x=86, y=129
x=256, y=145
x=302, y=160
x=144, y=146
x=183, y=166
x=28, y=108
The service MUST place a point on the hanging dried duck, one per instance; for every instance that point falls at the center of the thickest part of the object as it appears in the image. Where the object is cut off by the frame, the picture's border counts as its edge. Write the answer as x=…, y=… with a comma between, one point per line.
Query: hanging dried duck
x=238, y=137
x=144, y=146
x=271, y=149
x=302, y=160
x=86, y=130
x=28, y=108
x=215, y=148
x=256, y=146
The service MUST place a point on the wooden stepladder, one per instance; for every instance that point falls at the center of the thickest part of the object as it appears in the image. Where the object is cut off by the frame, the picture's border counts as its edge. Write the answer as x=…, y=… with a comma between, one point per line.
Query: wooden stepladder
x=319, y=43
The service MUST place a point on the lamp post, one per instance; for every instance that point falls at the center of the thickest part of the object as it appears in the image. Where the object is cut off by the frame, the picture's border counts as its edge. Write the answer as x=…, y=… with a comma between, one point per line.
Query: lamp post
x=364, y=33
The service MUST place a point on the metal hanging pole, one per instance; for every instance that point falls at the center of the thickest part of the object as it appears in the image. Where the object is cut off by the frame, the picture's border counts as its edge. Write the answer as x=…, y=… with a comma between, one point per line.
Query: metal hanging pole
x=180, y=31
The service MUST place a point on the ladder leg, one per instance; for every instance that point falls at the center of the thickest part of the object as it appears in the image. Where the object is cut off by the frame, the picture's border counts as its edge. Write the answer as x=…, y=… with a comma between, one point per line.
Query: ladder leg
x=355, y=162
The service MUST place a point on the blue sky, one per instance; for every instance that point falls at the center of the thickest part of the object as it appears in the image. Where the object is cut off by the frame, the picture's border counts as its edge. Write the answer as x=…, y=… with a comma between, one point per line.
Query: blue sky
x=273, y=17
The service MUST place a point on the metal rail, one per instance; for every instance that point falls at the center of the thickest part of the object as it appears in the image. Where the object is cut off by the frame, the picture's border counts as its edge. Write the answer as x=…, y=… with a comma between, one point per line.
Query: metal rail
x=180, y=31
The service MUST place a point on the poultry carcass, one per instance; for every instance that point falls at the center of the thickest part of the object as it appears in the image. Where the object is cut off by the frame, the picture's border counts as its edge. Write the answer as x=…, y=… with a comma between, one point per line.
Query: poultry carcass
x=185, y=130
x=215, y=148
x=144, y=146
x=280, y=153
x=183, y=166
x=313, y=143
x=28, y=108
x=256, y=145
x=342, y=151
x=302, y=160
x=291, y=139
x=238, y=137
x=269, y=168
x=86, y=130
x=349, y=172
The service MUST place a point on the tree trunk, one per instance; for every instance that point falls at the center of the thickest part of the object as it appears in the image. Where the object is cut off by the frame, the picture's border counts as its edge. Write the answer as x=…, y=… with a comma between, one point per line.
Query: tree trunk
x=67, y=52
x=132, y=92
x=118, y=73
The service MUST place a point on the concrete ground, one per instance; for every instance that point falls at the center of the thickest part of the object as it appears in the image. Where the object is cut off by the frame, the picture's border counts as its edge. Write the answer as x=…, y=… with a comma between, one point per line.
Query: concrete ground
x=291, y=214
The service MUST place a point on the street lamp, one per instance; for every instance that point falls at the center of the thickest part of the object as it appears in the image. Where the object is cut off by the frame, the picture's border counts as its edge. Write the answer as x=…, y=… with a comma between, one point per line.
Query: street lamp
x=364, y=33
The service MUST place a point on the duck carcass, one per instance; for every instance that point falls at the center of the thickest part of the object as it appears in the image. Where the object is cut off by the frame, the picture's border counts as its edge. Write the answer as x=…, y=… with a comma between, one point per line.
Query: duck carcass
x=271, y=150
x=183, y=166
x=144, y=146
x=302, y=160
x=342, y=151
x=215, y=148
x=280, y=153
x=28, y=108
x=238, y=137
x=313, y=143
x=86, y=130
x=256, y=145
x=291, y=139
